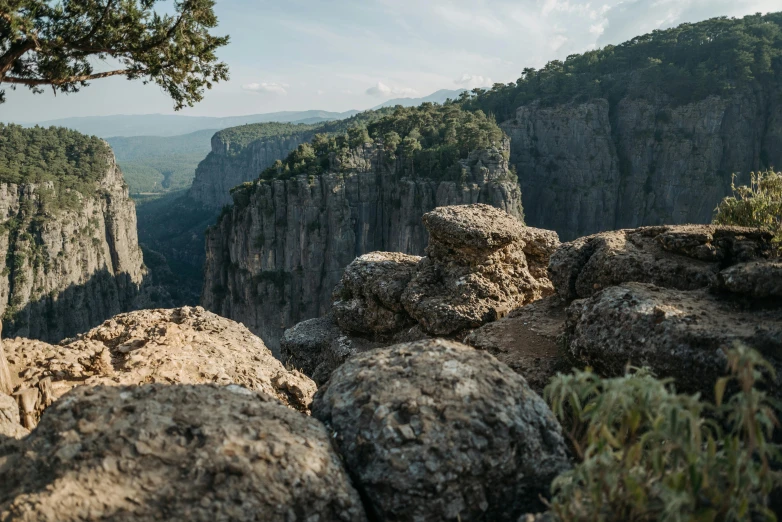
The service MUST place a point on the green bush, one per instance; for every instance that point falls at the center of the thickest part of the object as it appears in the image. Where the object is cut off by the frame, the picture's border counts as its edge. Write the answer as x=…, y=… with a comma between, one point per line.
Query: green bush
x=758, y=204
x=649, y=454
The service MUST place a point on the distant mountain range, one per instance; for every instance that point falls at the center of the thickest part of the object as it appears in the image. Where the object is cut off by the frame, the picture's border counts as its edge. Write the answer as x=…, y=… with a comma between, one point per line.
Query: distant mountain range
x=176, y=125
x=436, y=97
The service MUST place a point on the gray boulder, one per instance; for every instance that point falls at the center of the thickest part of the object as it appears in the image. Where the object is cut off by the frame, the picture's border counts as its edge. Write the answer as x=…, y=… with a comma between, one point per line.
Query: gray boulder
x=678, y=334
x=175, y=452
x=435, y=430
x=368, y=298
x=684, y=257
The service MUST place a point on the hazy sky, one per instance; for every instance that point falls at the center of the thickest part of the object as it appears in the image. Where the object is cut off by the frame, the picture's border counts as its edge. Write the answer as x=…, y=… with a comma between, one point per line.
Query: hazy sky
x=353, y=54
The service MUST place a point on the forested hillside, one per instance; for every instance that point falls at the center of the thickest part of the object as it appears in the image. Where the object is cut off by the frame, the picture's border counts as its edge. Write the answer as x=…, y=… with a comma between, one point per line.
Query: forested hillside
x=647, y=132
x=686, y=64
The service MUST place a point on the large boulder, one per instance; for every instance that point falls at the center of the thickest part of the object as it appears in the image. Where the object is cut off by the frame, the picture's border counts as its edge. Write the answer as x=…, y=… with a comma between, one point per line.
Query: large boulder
x=174, y=346
x=435, y=430
x=526, y=341
x=678, y=334
x=368, y=298
x=175, y=452
x=475, y=270
x=684, y=257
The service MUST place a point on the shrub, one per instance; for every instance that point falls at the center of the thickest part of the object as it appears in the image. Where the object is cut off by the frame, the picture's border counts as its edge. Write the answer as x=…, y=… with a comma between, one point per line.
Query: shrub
x=758, y=204
x=649, y=454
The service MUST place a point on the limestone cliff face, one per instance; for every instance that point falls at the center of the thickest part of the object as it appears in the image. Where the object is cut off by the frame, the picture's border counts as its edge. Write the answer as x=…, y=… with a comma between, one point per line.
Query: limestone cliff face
x=589, y=167
x=274, y=258
x=230, y=164
x=70, y=268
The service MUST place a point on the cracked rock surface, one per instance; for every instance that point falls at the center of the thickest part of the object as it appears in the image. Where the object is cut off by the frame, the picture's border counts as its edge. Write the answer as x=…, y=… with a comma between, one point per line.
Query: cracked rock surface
x=185, y=345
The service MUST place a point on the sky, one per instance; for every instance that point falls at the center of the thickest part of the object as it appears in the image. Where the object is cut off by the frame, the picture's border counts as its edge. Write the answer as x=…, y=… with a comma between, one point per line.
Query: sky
x=339, y=55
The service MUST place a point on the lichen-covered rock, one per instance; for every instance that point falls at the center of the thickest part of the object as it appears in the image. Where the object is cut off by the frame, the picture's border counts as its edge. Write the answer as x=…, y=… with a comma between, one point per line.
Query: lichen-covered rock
x=302, y=347
x=758, y=280
x=526, y=341
x=684, y=257
x=678, y=334
x=175, y=452
x=475, y=270
x=435, y=430
x=174, y=346
x=368, y=298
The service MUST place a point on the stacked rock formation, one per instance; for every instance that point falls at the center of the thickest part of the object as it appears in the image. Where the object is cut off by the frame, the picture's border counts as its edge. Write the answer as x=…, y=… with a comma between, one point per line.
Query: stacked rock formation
x=481, y=263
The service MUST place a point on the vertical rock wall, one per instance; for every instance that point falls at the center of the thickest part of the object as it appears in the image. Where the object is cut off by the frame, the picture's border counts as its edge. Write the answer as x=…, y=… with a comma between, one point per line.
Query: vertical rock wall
x=274, y=258
x=67, y=269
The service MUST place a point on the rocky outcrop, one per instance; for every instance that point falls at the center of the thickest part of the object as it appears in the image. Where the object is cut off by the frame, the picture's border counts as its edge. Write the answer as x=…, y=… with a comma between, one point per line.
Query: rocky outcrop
x=274, y=258
x=681, y=335
x=594, y=166
x=680, y=257
x=231, y=164
x=68, y=268
x=10, y=425
x=165, y=452
x=671, y=298
x=176, y=346
x=476, y=270
x=436, y=430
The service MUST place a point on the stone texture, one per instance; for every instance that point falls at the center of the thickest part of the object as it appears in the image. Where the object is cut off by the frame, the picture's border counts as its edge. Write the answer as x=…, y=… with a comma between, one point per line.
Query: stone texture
x=678, y=334
x=10, y=425
x=436, y=430
x=83, y=266
x=367, y=300
x=175, y=452
x=274, y=258
x=758, y=280
x=588, y=167
x=685, y=257
x=526, y=341
x=475, y=270
x=175, y=346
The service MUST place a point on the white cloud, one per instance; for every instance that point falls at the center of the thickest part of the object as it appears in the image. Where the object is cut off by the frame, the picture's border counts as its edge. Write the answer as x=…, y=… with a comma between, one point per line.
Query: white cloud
x=382, y=90
x=266, y=88
x=471, y=81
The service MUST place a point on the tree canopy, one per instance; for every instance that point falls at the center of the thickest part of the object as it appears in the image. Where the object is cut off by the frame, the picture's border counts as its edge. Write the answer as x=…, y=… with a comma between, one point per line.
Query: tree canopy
x=686, y=63
x=429, y=139
x=55, y=44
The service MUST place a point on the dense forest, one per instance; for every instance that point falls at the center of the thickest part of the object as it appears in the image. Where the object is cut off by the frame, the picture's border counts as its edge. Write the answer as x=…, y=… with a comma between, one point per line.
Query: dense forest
x=72, y=161
x=430, y=139
x=686, y=63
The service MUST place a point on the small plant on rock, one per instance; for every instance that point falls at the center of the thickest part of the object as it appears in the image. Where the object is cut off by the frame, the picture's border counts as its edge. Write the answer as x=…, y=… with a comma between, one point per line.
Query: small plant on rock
x=758, y=204
x=649, y=454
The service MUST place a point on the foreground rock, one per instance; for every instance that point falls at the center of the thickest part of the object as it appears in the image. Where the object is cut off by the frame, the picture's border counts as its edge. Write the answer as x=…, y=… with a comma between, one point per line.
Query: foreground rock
x=157, y=452
x=172, y=346
x=10, y=425
x=475, y=270
x=681, y=335
x=526, y=341
x=685, y=257
x=436, y=430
